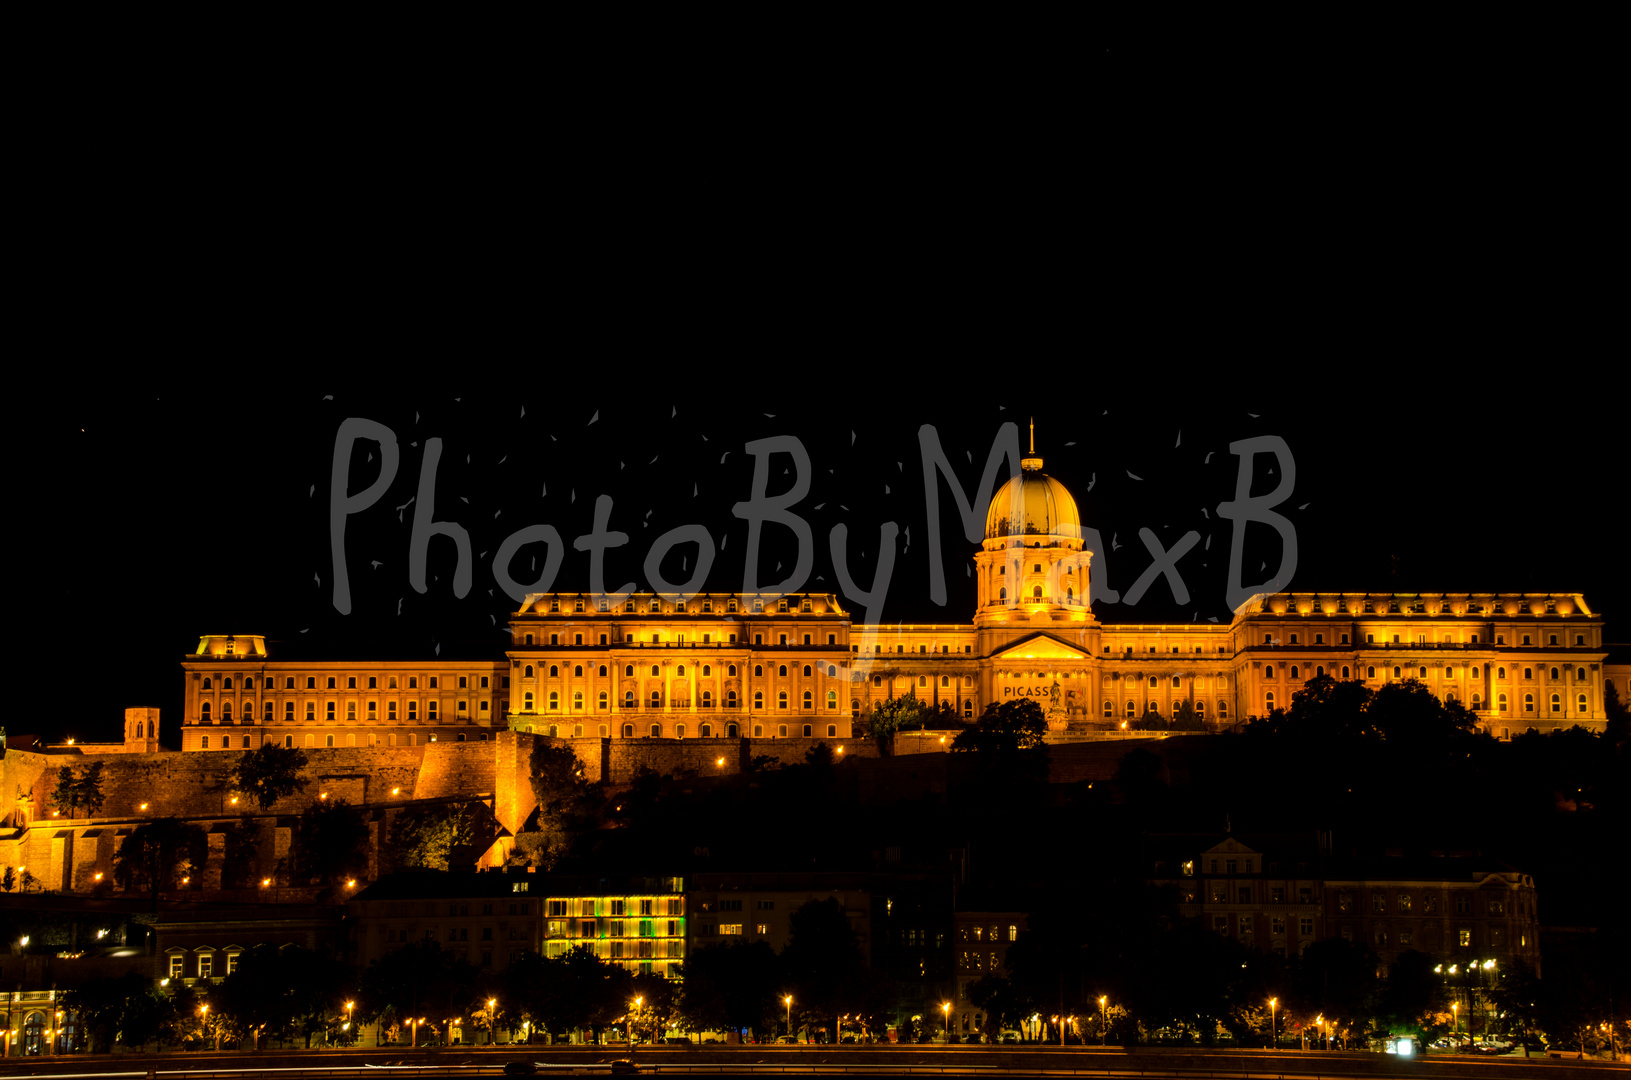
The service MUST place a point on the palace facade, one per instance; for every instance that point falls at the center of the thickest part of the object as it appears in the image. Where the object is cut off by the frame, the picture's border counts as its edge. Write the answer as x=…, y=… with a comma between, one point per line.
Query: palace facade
x=733, y=666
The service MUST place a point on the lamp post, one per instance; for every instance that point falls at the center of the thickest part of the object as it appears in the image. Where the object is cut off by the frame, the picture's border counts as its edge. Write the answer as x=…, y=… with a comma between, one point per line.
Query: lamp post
x=945, y=1010
x=788, y=1001
x=1273, y=1041
x=1104, y=1031
x=492, y=1018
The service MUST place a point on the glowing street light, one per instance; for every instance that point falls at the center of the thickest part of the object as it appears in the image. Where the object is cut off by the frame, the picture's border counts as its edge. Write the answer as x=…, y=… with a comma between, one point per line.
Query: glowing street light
x=1104, y=1034
x=788, y=1001
x=1274, y=1003
x=945, y=1007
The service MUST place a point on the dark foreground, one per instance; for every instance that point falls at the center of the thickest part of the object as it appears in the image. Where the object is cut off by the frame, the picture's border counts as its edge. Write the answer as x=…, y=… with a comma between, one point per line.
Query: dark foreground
x=391, y=1064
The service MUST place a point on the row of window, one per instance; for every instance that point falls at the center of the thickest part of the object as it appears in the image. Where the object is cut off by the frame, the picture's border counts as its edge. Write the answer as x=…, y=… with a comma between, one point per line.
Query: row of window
x=678, y=639
x=270, y=682
x=655, y=701
x=527, y=671
x=206, y=716
x=681, y=607
x=1463, y=903
x=1418, y=607
x=329, y=741
x=1152, y=706
x=704, y=731
x=1421, y=639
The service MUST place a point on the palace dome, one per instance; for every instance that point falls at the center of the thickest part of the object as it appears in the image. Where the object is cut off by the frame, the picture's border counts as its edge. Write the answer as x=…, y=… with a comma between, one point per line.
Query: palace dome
x=1032, y=503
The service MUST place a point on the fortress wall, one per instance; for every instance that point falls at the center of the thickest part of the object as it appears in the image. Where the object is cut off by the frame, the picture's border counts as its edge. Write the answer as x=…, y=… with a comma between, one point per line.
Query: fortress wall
x=455, y=768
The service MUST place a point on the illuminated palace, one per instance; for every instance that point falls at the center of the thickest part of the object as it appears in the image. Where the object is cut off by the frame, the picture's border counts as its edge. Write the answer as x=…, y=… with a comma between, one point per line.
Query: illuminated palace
x=731, y=666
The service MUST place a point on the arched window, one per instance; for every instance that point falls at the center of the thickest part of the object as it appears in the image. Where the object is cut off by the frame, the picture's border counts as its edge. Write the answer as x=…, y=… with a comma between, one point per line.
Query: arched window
x=809, y=701
x=1132, y=708
x=707, y=699
x=577, y=701
x=1579, y=674
x=945, y=680
x=628, y=699
x=923, y=680
x=706, y=731
x=1580, y=703
x=206, y=743
x=1500, y=673
x=554, y=732
x=577, y=671
x=707, y=669
x=226, y=683
x=679, y=731
x=832, y=700
x=832, y=671
x=656, y=699
x=1176, y=682
x=628, y=671
x=603, y=671
x=1529, y=703
x=1319, y=672
x=1268, y=700
x=1294, y=671
x=1268, y=671
x=1036, y=592
x=781, y=700
x=968, y=707
x=1500, y=703
x=204, y=712
x=1002, y=594
x=730, y=699
x=656, y=731
x=628, y=731
x=758, y=671
x=655, y=670
x=730, y=731
x=1395, y=673
x=1557, y=703
x=1200, y=708
x=855, y=708
x=206, y=682
x=554, y=701
x=782, y=672
x=1223, y=710
x=554, y=671
x=680, y=671
x=1554, y=674
x=730, y=670
x=226, y=712
x=1345, y=671
x=806, y=671
x=1109, y=710
x=604, y=702
x=758, y=699
x=527, y=671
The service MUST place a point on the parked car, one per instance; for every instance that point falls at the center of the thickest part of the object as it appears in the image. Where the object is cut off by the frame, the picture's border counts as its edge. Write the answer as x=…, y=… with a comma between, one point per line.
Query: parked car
x=519, y=1068
x=788, y=1040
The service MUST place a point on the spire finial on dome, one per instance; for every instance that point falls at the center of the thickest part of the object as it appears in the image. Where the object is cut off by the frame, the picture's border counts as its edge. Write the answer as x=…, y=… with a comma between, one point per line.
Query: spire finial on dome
x=1030, y=462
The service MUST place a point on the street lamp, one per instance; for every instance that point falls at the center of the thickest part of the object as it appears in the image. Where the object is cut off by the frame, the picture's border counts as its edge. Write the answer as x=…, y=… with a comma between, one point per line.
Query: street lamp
x=945, y=1009
x=1104, y=1033
x=1273, y=1005
x=492, y=1017
x=788, y=1001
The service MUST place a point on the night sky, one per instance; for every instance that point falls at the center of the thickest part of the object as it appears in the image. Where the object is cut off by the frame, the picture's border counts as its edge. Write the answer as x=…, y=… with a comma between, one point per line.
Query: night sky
x=184, y=504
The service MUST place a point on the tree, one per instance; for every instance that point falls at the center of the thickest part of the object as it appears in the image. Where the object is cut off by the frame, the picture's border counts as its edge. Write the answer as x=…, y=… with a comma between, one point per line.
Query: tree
x=733, y=987
x=331, y=841
x=101, y=1004
x=1007, y=742
x=420, y=979
x=659, y=999
x=78, y=791
x=1185, y=718
x=1412, y=994
x=422, y=836
x=1005, y=728
x=240, y=855
x=896, y=714
x=270, y=773
x=565, y=801
x=823, y=958
x=8, y=880
x=160, y=853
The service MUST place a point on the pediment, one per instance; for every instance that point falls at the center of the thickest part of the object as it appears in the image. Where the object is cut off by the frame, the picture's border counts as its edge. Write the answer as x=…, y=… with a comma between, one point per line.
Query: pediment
x=1041, y=646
